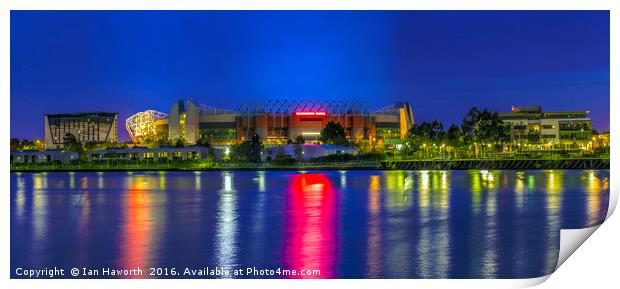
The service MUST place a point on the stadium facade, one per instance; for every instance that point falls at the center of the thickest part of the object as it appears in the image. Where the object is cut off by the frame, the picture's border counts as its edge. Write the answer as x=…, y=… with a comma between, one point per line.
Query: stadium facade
x=275, y=121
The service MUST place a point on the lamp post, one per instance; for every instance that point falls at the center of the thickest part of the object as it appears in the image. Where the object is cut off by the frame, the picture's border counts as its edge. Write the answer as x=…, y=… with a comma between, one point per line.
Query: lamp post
x=443, y=150
x=475, y=150
x=490, y=147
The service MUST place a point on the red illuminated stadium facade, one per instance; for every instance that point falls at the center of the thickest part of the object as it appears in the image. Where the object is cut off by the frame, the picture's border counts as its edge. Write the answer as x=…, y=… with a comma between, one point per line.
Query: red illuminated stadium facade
x=278, y=121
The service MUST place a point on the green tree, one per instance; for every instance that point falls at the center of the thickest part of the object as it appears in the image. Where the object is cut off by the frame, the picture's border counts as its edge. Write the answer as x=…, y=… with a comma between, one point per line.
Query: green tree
x=255, y=148
x=485, y=129
x=15, y=144
x=72, y=144
x=484, y=126
x=21, y=145
x=423, y=136
x=93, y=145
x=203, y=140
x=162, y=142
x=284, y=160
x=247, y=150
x=179, y=143
x=300, y=139
x=299, y=151
x=333, y=133
x=453, y=139
x=238, y=151
x=27, y=145
x=431, y=132
x=454, y=136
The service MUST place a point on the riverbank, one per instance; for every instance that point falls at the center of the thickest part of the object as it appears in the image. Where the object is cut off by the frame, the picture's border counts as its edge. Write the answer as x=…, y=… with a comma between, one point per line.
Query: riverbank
x=512, y=164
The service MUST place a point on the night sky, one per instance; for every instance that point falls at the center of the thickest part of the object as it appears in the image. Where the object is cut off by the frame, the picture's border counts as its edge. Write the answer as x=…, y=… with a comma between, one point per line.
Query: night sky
x=442, y=62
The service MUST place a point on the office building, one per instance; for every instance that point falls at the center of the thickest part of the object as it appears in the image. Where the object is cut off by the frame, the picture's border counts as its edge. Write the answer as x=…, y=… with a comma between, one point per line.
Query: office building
x=86, y=127
x=560, y=130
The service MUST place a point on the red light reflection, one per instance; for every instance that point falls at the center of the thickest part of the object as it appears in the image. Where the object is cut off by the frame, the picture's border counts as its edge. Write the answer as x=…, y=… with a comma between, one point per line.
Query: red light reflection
x=310, y=240
x=136, y=237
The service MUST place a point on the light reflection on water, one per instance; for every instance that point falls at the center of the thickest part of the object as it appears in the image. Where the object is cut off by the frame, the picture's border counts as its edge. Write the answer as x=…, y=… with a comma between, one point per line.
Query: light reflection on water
x=348, y=224
x=310, y=237
x=226, y=235
x=137, y=229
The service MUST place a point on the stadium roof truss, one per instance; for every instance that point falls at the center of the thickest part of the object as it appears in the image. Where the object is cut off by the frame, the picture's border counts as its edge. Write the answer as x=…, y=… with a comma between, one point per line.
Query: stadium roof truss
x=287, y=107
x=143, y=123
x=209, y=110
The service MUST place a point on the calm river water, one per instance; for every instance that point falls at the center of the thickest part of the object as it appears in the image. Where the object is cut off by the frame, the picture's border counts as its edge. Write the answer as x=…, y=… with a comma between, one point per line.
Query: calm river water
x=347, y=224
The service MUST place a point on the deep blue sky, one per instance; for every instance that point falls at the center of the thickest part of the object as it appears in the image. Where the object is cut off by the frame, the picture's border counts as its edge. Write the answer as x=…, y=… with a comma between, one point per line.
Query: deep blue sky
x=442, y=62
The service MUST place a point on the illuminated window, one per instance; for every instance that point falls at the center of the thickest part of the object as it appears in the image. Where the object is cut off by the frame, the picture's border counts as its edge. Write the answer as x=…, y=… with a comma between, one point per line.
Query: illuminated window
x=388, y=133
x=192, y=155
x=182, y=117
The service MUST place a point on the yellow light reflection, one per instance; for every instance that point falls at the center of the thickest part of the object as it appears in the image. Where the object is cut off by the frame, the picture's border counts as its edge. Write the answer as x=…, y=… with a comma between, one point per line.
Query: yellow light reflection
x=554, y=179
x=531, y=183
x=425, y=243
x=39, y=210
x=554, y=189
x=162, y=180
x=20, y=198
x=489, y=259
x=261, y=181
x=374, y=228
x=397, y=194
x=520, y=190
x=476, y=190
x=593, y=190
x=424, y=189
x=398, y=188
x=443, y=259
x=442, y=194
x=138, y=225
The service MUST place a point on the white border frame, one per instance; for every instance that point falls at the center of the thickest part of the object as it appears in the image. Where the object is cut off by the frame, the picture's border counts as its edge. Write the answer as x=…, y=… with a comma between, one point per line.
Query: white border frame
x=7, y=5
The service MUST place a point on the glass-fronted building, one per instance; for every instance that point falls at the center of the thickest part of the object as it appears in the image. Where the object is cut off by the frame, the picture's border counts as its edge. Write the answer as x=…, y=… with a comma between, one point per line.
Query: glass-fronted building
x=86, y=127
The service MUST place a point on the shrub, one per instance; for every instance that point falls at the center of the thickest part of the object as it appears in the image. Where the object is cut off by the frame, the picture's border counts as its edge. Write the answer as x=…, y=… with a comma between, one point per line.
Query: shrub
x=371, y=157
x=283, y=160
x=332, y=159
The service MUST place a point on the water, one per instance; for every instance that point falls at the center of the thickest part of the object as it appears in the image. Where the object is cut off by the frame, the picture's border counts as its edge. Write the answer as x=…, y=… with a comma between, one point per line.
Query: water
x=353, y=224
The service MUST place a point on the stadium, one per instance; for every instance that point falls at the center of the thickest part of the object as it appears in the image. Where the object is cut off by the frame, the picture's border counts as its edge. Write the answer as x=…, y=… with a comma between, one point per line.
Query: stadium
x=275, y=121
